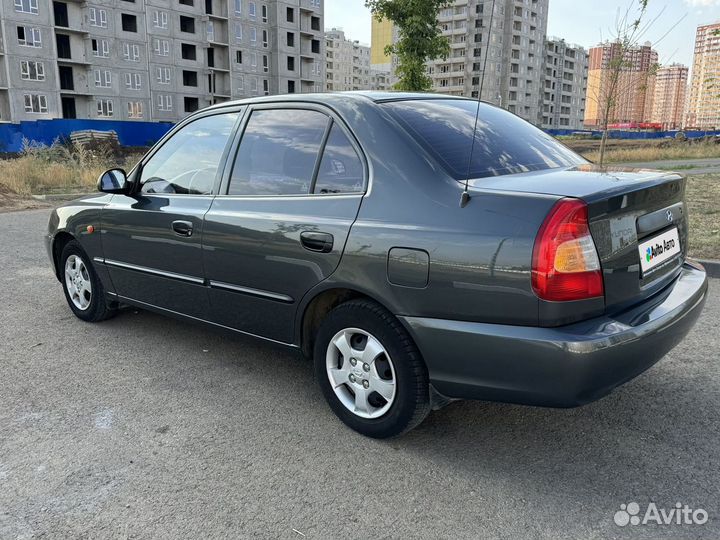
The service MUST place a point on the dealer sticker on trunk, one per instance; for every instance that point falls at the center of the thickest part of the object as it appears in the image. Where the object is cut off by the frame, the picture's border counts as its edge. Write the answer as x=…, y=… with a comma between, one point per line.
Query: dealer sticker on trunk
x=659, y=249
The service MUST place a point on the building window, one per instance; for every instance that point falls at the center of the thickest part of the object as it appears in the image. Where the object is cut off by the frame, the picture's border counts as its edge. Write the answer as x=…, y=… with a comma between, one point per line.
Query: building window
x=188, y=51
x=104, y=107
x=187, y=24
x=238, y=57
x=98, y=17
x=131, y=52
x=315, y=70
x=291, y=63
x=35, y=103
x=265, y=38
x=315, y=46
x=315, y=3
x=238, y=32
x=190, y=78
x=103, y=79
x=129, y=22
x=29, y=36
x=315, y=23
x=238, y=7
x=253, y=35
x=291, y=39
x=32, y=71
x=266, y=63
x=266, y=87
x=192, y=104
x=290, y=14
x=101, y=48
x=253, y=60
x=254, y=85
x=160, y=19
x=291, y=87
x=162, y=75
x=187, y=2
x=133, y=81
x=135, y=109
x=165, y=102
x=264, y=13
x=252, y=10
x=210, y=29
x=26, y=6
x=161, y=47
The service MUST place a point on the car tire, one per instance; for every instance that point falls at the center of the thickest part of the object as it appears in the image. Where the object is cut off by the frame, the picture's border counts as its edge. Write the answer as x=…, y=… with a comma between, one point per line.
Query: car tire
x=382, y=389
x=83, y=289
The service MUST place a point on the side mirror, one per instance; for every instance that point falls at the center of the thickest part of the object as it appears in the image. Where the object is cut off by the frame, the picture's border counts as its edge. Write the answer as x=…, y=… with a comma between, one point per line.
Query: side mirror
x=113, y=181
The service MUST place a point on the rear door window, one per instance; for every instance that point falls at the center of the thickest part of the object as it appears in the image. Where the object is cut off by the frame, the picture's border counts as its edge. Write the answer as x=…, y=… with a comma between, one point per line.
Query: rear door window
x=504, y=143
x=341, y=170
x=278, y=152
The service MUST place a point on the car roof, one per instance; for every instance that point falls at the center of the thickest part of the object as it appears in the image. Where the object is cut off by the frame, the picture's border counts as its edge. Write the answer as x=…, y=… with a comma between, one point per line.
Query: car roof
x=331, y=97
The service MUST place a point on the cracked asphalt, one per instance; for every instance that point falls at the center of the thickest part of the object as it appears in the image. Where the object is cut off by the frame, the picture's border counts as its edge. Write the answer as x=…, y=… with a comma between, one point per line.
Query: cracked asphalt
x=147, y=427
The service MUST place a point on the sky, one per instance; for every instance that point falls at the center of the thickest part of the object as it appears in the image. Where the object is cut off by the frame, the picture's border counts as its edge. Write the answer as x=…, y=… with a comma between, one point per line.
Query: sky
x=584, y=22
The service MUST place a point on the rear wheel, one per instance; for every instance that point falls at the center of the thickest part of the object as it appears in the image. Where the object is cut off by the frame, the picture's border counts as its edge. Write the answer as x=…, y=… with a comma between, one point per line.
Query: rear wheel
x=84, y=291
x=370, y=371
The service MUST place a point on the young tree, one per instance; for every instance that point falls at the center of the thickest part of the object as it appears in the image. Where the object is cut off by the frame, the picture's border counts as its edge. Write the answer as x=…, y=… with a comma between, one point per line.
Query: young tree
x=419, y=40
x=618, y=81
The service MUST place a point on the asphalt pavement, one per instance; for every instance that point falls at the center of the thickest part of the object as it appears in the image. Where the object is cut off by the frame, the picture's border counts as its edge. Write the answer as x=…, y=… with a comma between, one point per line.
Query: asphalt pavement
x=147, y=427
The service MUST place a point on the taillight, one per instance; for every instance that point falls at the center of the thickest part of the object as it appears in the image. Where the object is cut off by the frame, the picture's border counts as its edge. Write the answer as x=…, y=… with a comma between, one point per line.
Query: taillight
x=565, y=264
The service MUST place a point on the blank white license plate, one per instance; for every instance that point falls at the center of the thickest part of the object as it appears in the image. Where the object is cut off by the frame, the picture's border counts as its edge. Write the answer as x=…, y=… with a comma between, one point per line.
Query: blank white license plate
x=659, y=249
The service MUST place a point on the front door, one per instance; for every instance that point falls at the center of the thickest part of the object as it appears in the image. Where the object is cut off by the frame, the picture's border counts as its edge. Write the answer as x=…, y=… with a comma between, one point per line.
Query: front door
x=279, y=228
x=152, y=237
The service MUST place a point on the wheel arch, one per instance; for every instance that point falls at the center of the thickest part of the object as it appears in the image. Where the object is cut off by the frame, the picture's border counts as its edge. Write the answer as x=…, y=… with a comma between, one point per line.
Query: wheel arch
x=60, y=240
x=317, y=306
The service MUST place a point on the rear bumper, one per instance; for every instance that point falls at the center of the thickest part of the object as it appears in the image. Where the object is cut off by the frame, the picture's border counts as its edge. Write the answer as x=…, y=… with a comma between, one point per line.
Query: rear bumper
x=558, y=367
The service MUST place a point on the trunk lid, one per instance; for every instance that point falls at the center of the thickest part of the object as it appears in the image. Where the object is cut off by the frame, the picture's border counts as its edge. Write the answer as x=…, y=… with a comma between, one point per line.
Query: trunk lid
x=627, y=208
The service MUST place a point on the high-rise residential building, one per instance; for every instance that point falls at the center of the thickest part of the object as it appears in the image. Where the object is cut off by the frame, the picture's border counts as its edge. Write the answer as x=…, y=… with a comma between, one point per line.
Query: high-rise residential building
x=494, y=54
x=635, y=86
x=565, y=85
x=151, y=60
x=669, y=99
x=383, y=33
x=348, y=65
x=704, y=103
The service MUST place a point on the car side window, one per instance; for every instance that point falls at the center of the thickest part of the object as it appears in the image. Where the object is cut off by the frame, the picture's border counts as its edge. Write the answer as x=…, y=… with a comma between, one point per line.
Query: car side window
x=278, y=152
x=188, y=162
x=341, y=170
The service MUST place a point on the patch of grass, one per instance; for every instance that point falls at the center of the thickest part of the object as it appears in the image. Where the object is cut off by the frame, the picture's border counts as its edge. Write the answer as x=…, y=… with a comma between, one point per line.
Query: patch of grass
x=59, y=168
x=678, y=168
x=657, y=152
x=702, y=196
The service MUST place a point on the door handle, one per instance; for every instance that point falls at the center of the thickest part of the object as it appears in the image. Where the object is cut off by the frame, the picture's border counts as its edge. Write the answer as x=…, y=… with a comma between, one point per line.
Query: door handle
x=317, y=241
x=182, y=228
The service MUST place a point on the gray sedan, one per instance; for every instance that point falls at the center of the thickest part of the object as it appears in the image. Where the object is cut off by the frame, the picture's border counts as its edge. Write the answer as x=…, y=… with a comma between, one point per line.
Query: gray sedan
x=415, y=255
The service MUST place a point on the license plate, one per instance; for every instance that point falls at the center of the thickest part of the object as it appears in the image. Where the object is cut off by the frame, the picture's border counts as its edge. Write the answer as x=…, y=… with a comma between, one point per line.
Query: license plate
x=659, y=249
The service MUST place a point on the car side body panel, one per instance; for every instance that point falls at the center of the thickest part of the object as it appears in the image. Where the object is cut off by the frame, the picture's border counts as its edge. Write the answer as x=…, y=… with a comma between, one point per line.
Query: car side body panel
x=73, y=219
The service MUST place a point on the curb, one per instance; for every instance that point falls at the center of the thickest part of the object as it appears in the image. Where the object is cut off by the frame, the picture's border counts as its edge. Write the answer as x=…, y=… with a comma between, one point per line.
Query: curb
x=711, y=267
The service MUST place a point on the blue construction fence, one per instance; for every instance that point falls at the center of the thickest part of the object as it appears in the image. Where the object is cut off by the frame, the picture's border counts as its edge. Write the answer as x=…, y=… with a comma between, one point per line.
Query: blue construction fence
x=47, y=131
x=620, y=134
x=147, y=133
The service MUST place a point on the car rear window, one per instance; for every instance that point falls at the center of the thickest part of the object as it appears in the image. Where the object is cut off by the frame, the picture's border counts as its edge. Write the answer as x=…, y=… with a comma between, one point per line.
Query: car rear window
x=504, y=143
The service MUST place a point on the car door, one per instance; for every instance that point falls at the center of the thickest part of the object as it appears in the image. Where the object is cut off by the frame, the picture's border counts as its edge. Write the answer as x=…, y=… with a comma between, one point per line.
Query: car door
x=152, y=237
x=279, y=226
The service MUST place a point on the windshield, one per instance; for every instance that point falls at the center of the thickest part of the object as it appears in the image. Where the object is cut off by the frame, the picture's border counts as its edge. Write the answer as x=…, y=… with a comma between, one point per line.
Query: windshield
x=504, y=143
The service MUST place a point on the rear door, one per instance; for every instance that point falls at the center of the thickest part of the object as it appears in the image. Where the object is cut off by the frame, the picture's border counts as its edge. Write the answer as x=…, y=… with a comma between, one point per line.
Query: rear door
x=279, y=226
x=152, y=238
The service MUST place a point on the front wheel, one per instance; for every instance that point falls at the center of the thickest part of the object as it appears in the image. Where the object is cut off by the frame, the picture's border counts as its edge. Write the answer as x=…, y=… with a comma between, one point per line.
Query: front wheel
x=83, y=289
x=370, y=370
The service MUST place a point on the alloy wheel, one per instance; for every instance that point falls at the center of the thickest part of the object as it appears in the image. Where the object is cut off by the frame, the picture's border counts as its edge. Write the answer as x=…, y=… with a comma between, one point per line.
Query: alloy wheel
x=77, y=281
x=361, y=373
